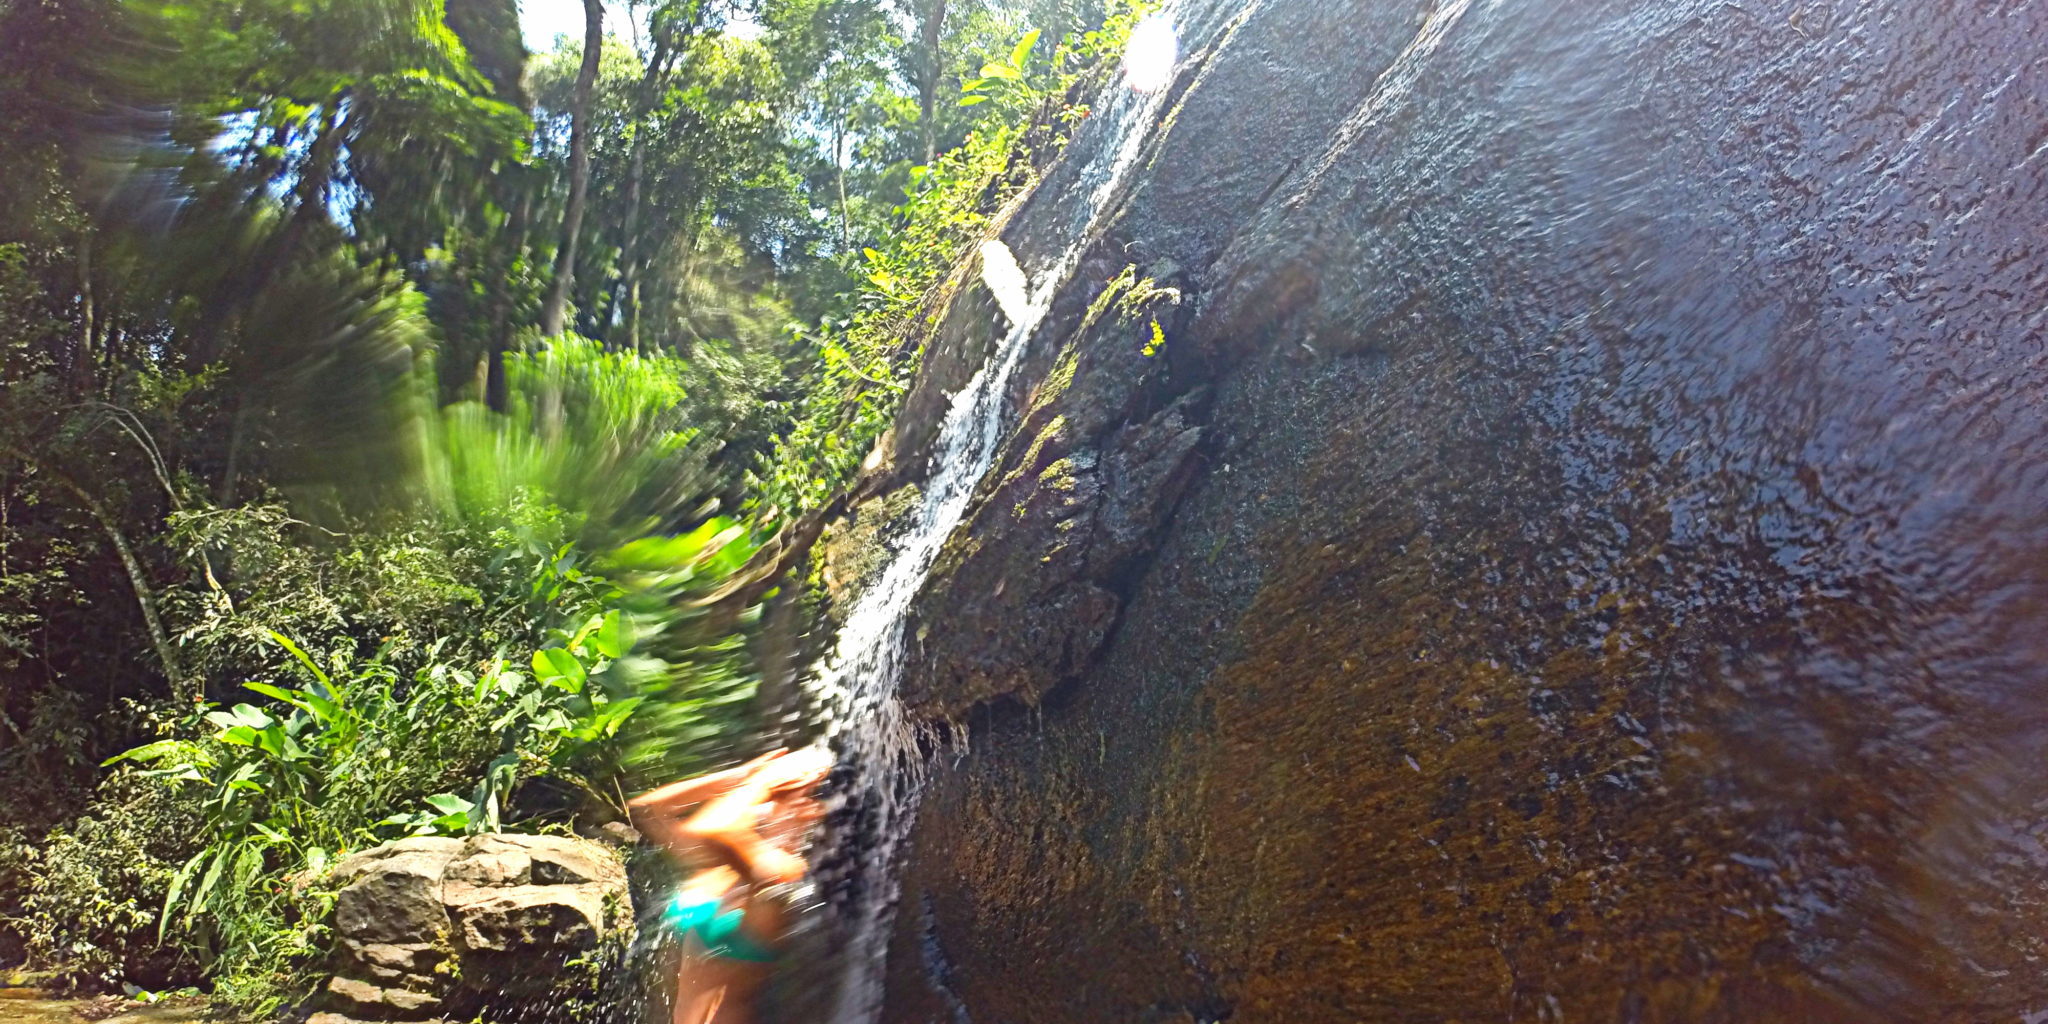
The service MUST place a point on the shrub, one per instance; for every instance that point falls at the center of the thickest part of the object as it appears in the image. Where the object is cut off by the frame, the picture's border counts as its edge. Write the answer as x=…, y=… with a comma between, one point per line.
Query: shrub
x=96, y=884
x=20, y=850
x=337, y=753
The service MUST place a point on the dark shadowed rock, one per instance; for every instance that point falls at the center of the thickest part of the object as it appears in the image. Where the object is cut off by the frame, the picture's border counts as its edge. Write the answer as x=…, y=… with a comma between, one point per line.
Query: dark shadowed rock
x=1030, y=598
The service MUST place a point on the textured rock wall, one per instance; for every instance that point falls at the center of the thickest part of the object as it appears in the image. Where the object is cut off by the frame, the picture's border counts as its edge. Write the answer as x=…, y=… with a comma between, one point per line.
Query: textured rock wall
x=436, y=926
x=1579, y=556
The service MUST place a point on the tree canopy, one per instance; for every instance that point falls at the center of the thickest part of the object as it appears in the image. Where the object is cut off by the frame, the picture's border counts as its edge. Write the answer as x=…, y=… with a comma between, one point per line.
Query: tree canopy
x=360, y=369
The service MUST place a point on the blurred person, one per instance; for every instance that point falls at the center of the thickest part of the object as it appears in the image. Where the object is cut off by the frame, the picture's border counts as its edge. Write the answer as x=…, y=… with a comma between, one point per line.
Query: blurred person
x=738, y=835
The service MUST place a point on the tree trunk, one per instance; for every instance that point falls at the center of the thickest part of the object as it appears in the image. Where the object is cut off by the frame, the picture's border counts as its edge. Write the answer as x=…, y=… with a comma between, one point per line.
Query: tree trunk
x=498, y=325
x=556, y=307
x=82, y=360
x=839, y=163
x=928, y=88
x=145, y=596
x=110, y=348
x=628, y=297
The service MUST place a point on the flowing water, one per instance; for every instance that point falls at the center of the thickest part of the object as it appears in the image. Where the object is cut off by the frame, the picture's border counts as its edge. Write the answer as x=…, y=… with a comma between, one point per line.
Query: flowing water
x=856, y=685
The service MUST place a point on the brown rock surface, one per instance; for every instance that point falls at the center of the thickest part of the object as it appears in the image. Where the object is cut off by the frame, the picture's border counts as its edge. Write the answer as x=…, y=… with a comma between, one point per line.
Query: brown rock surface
x=428, y=924
x=1603, y=581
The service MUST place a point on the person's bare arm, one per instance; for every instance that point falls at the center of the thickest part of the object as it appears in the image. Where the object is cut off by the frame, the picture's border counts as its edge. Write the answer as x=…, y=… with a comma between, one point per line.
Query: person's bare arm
x=727, y=826
x=678, y=795
x=658, y=813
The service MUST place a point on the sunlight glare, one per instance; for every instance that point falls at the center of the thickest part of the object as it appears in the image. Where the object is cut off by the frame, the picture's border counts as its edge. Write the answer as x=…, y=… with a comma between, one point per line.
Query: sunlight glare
x=1150, y=55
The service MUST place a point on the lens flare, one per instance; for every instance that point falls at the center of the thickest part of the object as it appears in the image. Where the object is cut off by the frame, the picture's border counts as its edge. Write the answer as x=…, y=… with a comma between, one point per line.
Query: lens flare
x=1150, y=55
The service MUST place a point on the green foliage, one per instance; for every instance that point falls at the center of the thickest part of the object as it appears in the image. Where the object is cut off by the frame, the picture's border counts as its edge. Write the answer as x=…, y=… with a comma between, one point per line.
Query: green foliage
x=376, y=96
x=292, y=474
x=863, y=361
x=399, y=592
x=607, y=435
x=692, y=671
x=1134, y=301
x=1003, y=78
x=469, y=666
x=20, y=856
x=93, y=887
x=340, y=753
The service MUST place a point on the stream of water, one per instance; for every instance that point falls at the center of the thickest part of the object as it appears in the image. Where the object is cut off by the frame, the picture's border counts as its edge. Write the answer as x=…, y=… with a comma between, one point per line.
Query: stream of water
x=857, y=682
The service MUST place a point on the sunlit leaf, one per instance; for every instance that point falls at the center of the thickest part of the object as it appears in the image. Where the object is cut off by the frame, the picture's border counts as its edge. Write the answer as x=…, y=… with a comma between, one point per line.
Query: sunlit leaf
x=558, y=668
x=1022, y=51
x=614, y=637
x=449, y=803
x=283, y=641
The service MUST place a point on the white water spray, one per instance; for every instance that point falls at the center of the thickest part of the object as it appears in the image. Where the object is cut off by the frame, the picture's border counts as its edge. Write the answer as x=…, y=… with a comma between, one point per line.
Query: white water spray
x=857, y=684
x=1006, y=281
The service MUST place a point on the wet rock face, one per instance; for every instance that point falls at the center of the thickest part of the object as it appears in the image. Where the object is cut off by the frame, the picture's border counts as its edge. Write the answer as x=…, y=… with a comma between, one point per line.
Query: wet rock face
x=1078, y=516
x=434, y=926
x=1578, y=557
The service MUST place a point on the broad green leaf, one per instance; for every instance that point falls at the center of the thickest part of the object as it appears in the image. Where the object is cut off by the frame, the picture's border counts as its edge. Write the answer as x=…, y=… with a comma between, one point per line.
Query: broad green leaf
x=251, y=716
x=614, y=638
x=178, y=883
x=272, y=740
x=717, y=545
x=591, y=625
x=449, y=803
x=147, y=753
x=209, y=880
x=181, y=773
x=322, y=709
x=608, y=719
x=1023, y=51
x=285, y=642
x=558, y=668
x=288, y=696
x=971, y=100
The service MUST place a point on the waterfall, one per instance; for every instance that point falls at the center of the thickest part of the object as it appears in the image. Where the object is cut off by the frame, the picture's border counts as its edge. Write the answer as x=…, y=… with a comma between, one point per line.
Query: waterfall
x=857, y=682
